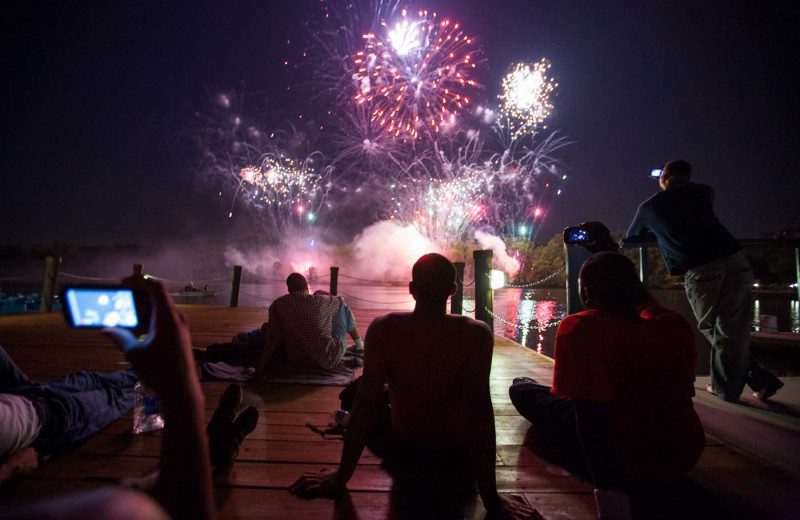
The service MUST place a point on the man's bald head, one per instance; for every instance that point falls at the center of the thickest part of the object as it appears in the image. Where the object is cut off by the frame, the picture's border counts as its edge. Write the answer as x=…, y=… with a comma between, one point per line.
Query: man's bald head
x=433, y=279
x=296, y=282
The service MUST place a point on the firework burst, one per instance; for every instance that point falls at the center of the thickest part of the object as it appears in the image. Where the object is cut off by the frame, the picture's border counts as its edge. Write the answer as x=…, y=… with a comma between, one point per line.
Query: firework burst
x=444, y=211
x=414, y=74
x=526, y=97
x=284, y=192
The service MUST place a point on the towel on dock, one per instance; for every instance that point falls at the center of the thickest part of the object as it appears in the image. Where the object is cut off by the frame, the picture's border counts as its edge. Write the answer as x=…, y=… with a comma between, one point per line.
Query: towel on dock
x=340, y=375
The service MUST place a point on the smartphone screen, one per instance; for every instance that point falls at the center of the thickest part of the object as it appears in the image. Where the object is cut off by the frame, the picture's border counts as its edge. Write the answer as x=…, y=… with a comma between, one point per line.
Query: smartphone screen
x=100, y=307
x=576, y=235
x=655, y=173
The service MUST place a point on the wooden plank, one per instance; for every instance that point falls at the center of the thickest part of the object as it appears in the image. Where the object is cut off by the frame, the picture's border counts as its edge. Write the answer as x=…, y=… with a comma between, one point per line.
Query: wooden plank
x=282, y=448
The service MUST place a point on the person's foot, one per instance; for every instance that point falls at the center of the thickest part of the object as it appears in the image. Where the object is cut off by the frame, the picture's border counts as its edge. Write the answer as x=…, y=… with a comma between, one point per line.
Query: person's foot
x=229, y=404
x=711, y=391
x=226, y=447
x=768, y=391
x=523, y=380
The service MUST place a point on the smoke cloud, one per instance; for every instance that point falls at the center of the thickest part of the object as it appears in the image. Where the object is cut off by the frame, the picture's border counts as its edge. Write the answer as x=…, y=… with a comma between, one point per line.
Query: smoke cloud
x=387, y=251
x=500, y=259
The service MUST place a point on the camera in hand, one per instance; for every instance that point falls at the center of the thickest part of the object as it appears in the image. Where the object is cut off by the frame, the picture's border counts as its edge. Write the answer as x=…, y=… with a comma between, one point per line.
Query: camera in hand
x=100, y=306
x=576, y=235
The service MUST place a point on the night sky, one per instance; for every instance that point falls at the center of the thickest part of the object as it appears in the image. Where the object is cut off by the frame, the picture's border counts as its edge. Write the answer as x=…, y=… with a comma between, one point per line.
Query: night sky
x=97, y=95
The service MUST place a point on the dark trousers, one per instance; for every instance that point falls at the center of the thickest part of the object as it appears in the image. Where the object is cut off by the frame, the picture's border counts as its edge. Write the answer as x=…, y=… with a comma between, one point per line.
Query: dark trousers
x=74, y=407
x=554, y=432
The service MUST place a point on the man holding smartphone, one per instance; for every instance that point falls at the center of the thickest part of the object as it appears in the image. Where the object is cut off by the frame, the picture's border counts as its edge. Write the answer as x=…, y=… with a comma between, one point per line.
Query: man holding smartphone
x=718, y=277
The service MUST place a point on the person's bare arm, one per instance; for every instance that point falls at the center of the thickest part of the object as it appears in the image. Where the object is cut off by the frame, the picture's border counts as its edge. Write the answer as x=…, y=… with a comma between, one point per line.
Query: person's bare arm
x=482, y=439
x=164, y=362
x=363, y=415
x=483, y=436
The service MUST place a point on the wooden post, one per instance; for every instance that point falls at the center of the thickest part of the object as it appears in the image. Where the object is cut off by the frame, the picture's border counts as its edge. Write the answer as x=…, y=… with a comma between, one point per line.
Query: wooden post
x=457, y=300
x=644, y=266
x=334, y=280
x=236, y=279
x=797, y=269
x=484, y=294
x=49, y=287
x=138, y=270
x=574, y=256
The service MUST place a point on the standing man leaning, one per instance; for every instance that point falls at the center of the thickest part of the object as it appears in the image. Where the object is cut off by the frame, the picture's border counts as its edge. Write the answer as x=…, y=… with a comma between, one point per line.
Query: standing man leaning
x=718, y=277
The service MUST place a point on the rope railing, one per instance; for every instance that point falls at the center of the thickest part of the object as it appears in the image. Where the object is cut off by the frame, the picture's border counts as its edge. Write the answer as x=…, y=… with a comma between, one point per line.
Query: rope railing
x=191, y=280
x=90, y=278
x=373, y=281
x=9, y=278
x=520, y=326
x=533, y=284
x=372, y=301
x=266, y=301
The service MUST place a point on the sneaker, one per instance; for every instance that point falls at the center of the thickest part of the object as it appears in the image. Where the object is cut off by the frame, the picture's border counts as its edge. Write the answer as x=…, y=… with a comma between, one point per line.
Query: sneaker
x=229, y=404
x=768, y=391
x=224, y=451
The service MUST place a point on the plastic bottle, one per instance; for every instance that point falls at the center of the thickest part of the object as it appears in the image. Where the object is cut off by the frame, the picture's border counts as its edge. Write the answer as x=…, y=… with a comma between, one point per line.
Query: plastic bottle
x=342, y=417
x=146, y=410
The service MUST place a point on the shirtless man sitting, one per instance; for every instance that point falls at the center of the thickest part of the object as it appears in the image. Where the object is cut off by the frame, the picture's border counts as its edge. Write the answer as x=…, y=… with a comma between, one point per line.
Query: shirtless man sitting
x=437, y=368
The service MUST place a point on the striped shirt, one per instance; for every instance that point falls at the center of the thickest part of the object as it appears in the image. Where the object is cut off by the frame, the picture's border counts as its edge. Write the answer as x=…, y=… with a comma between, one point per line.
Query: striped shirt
x=303, y=323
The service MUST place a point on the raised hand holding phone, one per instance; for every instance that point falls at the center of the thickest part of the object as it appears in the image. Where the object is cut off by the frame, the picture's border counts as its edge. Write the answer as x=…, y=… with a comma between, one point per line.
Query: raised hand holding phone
x=163, y=359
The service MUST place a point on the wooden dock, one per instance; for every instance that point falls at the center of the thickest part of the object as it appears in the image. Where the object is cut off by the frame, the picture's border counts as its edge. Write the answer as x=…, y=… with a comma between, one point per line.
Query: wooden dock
x=726, y=484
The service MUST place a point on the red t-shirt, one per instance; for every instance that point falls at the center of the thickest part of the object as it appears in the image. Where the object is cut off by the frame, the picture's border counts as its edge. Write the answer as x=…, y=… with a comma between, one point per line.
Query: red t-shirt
x=645, y=372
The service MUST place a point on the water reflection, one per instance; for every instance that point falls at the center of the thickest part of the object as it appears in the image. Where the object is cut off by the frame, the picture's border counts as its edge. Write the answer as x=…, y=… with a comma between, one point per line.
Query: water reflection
x=528, y=316
x=756, y=316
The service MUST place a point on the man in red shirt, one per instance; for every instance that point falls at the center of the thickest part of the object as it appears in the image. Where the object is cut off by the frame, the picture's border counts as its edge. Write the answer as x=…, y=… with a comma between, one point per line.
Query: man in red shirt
x=622, y=387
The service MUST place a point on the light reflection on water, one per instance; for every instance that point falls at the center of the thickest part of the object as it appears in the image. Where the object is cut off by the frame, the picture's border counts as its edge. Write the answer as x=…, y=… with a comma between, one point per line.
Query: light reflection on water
x=532, y=315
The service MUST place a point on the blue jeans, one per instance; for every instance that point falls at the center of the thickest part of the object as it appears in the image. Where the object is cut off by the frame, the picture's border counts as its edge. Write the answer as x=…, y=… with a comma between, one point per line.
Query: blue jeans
x=73, y=407
x=343, y=322
x=720, y=293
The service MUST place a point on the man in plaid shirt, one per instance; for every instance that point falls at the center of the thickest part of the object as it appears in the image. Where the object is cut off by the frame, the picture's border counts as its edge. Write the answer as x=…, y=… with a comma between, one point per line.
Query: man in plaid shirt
x=310, y=328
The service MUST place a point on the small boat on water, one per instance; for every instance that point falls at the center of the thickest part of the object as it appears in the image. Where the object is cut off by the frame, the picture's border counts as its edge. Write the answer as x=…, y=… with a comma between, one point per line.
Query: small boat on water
x=190, y=291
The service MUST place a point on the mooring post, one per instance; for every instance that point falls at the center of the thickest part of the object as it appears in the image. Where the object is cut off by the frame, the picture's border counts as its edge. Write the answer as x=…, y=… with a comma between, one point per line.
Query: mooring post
x=574, y=256
x=457, y=300
x=138, y=270
x=797, y=268
x=484, y=294
x=49, y=287
x=334, y=280
x=236, y=279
